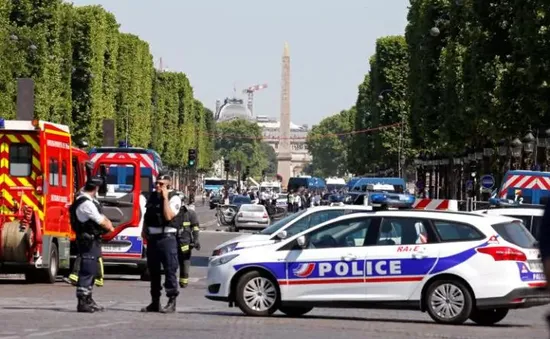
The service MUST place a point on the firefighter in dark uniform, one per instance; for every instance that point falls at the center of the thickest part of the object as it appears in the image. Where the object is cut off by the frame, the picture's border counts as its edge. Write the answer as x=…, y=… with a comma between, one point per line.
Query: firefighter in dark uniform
x=188, y=240
x=89, y=224
x=160, y=230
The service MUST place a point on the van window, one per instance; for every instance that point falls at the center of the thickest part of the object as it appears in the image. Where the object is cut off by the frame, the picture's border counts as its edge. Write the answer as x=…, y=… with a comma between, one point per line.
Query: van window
x=64, y=173
x=20, y=159
x=535, y=227
x=54, y=172
x=515, y=233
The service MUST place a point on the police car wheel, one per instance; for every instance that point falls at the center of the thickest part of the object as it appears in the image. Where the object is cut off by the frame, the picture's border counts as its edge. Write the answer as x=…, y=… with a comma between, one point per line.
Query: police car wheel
x=448, y=302
x=295, y=311
x=488, y=317
x=257, y=295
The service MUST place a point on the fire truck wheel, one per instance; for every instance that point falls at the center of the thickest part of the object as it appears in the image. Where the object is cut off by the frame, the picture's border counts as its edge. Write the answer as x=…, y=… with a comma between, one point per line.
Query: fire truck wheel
x=14, y=242
x=50, y=274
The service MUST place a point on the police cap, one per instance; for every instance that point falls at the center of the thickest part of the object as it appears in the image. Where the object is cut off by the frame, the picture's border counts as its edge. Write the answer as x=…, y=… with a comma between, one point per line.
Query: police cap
x=93, y=182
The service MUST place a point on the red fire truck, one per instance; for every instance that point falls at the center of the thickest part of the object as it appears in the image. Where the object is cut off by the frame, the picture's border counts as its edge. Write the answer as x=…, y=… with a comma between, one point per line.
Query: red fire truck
x=40, y=173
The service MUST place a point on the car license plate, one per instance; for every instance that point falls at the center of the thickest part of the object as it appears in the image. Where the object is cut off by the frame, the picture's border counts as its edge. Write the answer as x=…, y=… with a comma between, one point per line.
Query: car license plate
x=535, y=265
x=112, y=249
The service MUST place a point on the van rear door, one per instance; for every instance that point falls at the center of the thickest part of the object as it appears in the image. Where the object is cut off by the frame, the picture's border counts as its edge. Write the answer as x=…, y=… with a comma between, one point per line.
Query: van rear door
x=123, y=188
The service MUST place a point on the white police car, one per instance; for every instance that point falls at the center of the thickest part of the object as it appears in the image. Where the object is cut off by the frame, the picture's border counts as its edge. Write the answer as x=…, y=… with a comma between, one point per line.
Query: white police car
x=456, y=266
x=288, y=226
x=531, y=215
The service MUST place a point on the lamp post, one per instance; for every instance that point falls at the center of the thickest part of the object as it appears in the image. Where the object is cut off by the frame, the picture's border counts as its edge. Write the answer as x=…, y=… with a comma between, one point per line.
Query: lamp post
x=516, y=153
x=528, y=149
x=402, y=119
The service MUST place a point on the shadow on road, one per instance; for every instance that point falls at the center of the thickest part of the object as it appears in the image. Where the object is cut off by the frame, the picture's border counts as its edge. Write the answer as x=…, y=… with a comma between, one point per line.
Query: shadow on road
x=327, y=317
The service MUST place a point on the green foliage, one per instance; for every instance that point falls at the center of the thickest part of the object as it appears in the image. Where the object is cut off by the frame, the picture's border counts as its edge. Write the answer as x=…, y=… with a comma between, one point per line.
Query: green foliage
x=271, y=157
x=382, y=101
x=85, y=70
x=483, y=76
x=240, y=140
x=328, y=149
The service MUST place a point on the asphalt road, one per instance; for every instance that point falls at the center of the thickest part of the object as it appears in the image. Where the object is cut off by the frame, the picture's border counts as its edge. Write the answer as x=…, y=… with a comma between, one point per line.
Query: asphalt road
x=50, y=311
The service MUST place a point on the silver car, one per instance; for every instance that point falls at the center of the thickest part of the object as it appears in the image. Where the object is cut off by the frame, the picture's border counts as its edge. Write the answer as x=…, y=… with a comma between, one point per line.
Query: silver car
x=251, y=217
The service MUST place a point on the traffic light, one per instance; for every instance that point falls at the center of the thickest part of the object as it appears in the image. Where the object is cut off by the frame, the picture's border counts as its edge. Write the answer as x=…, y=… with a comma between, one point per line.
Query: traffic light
x=226, y=166
x=192, y=157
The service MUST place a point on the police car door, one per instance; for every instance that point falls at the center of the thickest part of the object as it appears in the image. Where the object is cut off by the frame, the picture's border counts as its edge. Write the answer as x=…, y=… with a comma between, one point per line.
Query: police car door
x=330, y=266
x=400, y=258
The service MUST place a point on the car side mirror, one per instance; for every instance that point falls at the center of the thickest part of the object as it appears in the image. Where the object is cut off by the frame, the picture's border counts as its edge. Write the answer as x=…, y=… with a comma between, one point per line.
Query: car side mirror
x=282, y=235
x=301, y=241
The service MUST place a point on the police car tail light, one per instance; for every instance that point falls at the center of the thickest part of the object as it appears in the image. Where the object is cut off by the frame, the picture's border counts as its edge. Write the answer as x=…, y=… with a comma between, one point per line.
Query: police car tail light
x=502, y=253
x=265, y=215
x=240, y=215
x=39, y=185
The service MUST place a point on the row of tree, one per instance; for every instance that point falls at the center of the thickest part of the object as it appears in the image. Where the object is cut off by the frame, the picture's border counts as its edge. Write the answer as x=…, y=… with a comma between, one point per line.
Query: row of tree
x=85, y=70
x=465, y=75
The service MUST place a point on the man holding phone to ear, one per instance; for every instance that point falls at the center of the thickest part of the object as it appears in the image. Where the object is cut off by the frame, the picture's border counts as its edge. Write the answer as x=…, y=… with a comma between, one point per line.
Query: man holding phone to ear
x=162, y=247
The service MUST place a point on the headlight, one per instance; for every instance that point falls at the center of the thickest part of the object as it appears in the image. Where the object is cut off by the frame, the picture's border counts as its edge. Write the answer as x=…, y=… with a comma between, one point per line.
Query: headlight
x=223, y=260
x=225, y=249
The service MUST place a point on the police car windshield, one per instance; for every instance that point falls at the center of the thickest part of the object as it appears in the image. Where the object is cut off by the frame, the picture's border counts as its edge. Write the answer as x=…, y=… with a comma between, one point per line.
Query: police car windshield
x=279, y=224
x=515, y=233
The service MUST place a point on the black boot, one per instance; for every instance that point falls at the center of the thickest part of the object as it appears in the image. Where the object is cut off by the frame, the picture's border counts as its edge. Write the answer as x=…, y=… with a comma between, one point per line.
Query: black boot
x=94, y=305
x=84, y=305
x=170, y=306
x=154, y=306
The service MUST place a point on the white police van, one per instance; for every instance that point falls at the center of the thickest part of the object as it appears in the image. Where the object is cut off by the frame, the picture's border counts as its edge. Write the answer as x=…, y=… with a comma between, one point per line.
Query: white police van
x=290, y=225
x=455, y=266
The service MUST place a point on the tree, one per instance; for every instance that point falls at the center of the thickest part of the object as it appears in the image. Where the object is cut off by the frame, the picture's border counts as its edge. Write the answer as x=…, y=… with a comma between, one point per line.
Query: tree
x=240, y=141
x=85, y=70
x=271, y=157
x=328, y=145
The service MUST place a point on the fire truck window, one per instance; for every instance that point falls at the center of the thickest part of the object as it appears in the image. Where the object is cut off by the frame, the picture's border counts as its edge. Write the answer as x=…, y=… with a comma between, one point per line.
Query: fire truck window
x=20, y=160
x=54, y=172
x=64, y=173
x=75, y=175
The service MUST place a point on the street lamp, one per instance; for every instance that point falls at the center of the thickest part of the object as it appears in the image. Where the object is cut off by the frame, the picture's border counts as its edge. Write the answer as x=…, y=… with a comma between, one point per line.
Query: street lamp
x=516, y=148
x=400, y=143
x=529, y=143
x=434, y=31
x=503, y=148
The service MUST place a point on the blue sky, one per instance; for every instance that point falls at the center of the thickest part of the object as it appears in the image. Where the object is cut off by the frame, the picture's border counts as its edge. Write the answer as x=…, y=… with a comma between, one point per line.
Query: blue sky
x=221, y=44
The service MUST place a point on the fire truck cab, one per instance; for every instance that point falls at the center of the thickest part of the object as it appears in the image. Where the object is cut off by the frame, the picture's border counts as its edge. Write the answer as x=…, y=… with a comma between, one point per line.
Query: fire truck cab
x=40, y=172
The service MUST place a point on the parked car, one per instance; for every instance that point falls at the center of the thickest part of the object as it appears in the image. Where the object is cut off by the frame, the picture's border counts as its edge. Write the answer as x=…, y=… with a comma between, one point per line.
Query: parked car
x=251, y=217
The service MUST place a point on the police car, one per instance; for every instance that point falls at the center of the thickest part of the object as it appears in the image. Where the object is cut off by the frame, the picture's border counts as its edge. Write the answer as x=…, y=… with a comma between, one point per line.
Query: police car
x=288, y=226
x=454, y=265
x=531, y=215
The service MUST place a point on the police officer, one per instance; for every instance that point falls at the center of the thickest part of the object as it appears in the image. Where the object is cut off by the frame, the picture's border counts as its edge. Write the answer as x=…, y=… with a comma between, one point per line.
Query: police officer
x=160, y=231
x=188, y=239
x=88, y=224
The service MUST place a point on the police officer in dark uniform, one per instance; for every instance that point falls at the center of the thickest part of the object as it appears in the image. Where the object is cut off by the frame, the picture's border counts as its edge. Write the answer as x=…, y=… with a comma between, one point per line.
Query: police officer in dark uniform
x=89, y=224
x=188, y=238
x=160, y=230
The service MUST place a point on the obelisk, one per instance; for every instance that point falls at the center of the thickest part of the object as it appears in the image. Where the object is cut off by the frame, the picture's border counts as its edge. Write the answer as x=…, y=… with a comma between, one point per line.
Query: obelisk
x=284, y=156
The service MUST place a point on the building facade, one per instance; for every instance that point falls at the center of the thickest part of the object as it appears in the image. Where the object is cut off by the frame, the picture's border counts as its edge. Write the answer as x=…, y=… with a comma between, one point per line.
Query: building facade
x=236, y=109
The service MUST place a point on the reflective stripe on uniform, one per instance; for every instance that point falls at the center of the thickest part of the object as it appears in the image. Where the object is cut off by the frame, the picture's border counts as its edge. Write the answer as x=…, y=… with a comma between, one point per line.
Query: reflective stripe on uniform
x=186, y=223
x=184, y=280
x=184, y=248
x=196, y=228
x=73, y=277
